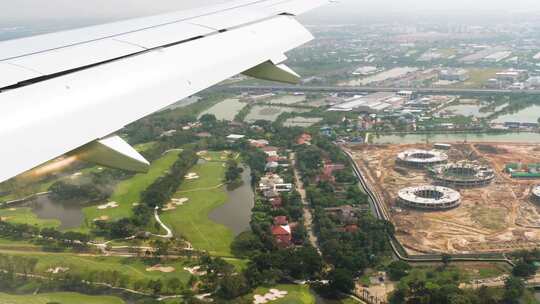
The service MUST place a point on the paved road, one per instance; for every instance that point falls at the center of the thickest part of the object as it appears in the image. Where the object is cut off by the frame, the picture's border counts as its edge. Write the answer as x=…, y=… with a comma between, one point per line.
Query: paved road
x=346, y=89
x=308, y=217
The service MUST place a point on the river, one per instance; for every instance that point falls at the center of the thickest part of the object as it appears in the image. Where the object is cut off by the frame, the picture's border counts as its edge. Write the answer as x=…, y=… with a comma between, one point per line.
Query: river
x=236, y=212
x=522, y=137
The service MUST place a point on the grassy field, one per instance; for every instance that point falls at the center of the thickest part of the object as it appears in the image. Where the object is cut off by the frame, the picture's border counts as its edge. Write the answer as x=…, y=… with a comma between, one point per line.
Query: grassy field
x=204, y=194
x=478, y=77
x=26, y=216
x=135, y=269
x=58, y=297
x=129, y=191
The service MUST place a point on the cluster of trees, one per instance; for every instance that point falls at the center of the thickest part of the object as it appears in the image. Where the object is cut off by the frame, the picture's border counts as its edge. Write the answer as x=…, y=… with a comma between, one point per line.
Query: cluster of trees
x=441, y=285
x=233, y=174
x=94, y=187
x=353, y=250
x=50, y=238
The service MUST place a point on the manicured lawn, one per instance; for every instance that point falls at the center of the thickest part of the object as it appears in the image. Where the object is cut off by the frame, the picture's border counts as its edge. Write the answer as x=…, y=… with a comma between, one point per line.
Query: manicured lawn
x=26, y=216
x=191, y=220
x=129, y=191
x=135, y=269
x=58, y=297
x=297, y=294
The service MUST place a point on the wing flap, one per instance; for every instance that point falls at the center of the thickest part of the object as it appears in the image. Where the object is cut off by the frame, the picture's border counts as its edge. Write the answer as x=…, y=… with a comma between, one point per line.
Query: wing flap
x=77, y=56
x=11, y=74
x=163, y=35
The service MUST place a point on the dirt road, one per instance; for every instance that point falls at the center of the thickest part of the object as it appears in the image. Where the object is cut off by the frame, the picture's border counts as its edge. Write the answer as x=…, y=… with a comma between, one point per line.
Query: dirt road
x=308, y=217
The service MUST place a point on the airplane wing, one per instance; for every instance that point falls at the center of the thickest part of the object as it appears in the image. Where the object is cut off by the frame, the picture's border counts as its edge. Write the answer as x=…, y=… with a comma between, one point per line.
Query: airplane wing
x=65, y=92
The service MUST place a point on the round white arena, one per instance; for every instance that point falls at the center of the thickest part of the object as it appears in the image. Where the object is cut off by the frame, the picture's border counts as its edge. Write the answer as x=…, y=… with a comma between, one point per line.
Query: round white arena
x=429, y=197
x=421, y=158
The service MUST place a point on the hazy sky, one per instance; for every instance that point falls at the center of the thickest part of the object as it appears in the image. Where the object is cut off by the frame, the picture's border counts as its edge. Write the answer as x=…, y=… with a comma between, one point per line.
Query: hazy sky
x=27, y=11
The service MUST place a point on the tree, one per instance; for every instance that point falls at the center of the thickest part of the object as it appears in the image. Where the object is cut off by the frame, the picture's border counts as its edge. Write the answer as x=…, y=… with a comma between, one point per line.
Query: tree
x=398, y=270
x=513, y=290
x=232, y=286
x=523, y=269
x=446, y=259
x=341, y=280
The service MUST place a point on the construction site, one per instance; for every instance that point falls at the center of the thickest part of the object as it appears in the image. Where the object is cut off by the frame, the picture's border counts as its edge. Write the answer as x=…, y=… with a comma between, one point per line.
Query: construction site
x=463, y=201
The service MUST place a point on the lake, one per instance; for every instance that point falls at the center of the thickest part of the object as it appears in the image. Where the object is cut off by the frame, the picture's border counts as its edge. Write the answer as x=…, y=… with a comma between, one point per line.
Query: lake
x=529, y=114
x=236, y=212
x=527, y=137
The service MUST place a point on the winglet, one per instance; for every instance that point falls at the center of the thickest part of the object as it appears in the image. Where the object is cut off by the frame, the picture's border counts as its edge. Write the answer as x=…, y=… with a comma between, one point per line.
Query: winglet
x=113, y=152
x=270, y=71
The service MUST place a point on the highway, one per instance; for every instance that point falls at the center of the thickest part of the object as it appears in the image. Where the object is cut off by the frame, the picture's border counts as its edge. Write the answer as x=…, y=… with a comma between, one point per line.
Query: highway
x=348, y=89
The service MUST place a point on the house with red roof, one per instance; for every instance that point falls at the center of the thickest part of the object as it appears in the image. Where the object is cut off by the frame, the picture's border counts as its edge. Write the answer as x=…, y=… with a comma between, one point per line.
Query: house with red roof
x=281, y=220
x=276, y=202
x=281, y=232
x=304, y=139
x=282, y=235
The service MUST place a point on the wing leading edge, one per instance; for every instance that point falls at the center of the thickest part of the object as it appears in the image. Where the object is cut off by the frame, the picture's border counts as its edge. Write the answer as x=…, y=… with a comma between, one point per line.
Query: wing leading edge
x=62, y=91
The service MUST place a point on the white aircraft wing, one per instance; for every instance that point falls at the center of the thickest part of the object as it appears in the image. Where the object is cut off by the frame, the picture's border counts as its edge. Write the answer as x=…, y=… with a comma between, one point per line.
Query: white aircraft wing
x=63, y=91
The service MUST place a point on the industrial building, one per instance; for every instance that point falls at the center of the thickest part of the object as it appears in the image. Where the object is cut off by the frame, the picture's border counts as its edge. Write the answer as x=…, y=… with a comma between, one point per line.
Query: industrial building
x=523, y=171
x=462, y=174
x=373, y=103
x=512, y=75
x=453, y=74
x=498, y=56
x=421, y=158
x=429, y=197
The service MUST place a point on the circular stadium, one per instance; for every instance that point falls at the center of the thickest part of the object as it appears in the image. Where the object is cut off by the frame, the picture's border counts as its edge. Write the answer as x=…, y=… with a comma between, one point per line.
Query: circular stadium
x=429, y=197
x=421, y=158
x=462, y=174
x=535, y=194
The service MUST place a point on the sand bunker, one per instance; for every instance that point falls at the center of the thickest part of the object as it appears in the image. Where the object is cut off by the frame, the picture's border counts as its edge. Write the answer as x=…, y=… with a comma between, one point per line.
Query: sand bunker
x=196, y=270
x=166, y=269
x=108, y=205
x=74, y=175
x=271, y=295
x=135, y=204
x=57, y=270
x=175, y=202
x=191, y=175
x=12, y=209
x=4, y=218
x=102, y=218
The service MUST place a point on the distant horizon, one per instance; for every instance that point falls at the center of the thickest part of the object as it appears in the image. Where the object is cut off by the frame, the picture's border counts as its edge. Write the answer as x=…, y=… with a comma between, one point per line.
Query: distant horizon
x=29, y=12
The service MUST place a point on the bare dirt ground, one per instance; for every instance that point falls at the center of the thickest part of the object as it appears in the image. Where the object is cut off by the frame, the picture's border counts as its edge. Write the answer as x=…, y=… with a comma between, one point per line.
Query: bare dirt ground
x=496, y=218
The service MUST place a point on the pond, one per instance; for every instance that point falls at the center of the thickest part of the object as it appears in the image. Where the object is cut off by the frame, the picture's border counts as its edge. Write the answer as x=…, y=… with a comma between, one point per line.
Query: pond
x=270, y=113
x=527, y=137
x=226, y=110
x=69, y=213
x=467, y=110
x=236, y=212
x=529, y=114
